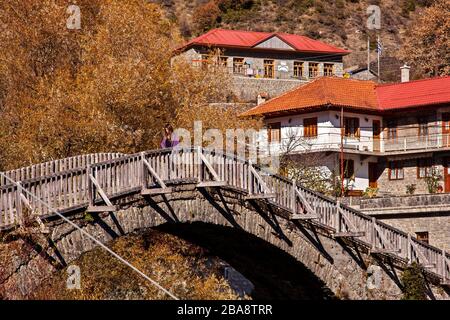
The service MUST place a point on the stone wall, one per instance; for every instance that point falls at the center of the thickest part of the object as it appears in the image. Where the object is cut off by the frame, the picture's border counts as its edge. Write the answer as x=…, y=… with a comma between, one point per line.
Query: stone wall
x=417, y=213
x=398, y=187
x=247, y=89
x=350, y=273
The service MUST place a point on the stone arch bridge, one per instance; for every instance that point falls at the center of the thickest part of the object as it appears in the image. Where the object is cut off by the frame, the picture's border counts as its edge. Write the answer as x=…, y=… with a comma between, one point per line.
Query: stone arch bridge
x=355, y=255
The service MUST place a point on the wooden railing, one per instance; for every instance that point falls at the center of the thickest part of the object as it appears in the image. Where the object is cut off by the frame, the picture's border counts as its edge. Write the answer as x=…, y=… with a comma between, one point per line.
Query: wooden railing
x=155, y=171
x=55, y=166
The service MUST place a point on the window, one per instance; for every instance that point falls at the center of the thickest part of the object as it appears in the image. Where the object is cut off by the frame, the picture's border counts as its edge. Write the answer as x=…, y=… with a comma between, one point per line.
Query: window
x=391, y=129
x=349, y=169
x=328, y=69
x=424, y=168
x=310, y=127
x=313, y=69
x=238, y=65
x=269, y=69
x=396, y=170
x=223, y=61
x=298, y=69
x=422, y=236
x=205, y=61
x=274, y=132
x=351, y=127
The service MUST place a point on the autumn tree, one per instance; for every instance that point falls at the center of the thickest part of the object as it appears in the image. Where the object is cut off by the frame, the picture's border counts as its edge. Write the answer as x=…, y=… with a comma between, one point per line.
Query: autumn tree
x=109, y=86
x=206, y=16
x=428, y=41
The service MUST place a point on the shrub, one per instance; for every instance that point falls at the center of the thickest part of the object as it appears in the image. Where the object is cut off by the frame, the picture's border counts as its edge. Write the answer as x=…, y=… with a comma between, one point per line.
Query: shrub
x=410, y=189
x=414, y=286
x=370, y=192
x=432, y=180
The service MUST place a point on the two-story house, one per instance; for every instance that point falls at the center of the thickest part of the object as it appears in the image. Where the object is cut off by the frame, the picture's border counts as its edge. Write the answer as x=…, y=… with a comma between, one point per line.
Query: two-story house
x=388, y=136
x=264, y=62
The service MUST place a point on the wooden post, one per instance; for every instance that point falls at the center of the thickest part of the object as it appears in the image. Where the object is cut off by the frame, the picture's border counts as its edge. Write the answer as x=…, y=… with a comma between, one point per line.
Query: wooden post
x=144, y=173
x=19, y=207
x=200, y=164
x=294, y=197
x=409, y=251
x=338, y=217
x=91, y=187
x=374, y=233
x=444, y=265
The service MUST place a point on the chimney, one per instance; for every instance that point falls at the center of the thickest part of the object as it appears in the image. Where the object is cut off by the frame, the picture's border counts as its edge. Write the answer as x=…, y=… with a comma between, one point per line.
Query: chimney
x=405, y=73
x=262, y=97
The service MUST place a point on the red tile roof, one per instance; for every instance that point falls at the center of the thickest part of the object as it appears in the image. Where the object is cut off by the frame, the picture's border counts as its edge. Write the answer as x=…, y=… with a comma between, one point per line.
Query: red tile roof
x=358, y=94
x=414, y=93
x=249, y=39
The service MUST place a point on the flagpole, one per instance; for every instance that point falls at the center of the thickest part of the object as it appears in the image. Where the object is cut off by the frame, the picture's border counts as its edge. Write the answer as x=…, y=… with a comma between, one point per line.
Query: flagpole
x=379, y=52
x=368, y=56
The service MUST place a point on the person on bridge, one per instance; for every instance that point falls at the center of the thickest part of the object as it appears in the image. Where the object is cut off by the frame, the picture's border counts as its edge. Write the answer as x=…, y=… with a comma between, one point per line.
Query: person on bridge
x=170, y=140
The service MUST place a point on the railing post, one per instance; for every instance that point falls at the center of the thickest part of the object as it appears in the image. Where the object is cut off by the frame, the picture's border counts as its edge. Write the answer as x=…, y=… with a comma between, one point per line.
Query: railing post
x=374, y=233
x=404, y=144
x=409, y=251
x=91, y=187
x=200, y=164
x=294, y=197
x=338, y=217
x=250, y=180
x=19, y=207
x=444, y=265
x=144, y=174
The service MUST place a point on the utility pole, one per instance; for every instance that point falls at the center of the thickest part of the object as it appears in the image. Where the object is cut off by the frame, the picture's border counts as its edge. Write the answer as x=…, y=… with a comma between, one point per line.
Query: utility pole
x=342, y=151
x=368, y=56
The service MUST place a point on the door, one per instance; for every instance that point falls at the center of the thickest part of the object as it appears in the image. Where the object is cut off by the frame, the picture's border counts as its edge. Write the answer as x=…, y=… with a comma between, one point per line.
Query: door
x=269, y=68
x=373, y=175
x=446, y=129
x=376, y=130
x=446, y=175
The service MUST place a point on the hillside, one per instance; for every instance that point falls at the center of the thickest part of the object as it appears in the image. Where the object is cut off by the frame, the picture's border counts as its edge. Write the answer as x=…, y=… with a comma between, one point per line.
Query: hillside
x=338, y=22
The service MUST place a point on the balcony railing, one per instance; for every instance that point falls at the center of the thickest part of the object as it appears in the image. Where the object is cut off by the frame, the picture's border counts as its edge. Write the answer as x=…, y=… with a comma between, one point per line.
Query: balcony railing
x=248, y=71
x=330, y=141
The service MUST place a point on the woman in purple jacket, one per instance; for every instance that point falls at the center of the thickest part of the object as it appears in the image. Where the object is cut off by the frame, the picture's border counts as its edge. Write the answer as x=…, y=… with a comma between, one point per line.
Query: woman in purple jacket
x=170, y=139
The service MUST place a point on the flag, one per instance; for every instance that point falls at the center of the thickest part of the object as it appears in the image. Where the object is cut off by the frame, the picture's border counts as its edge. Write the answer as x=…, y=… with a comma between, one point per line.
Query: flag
x=379, y=48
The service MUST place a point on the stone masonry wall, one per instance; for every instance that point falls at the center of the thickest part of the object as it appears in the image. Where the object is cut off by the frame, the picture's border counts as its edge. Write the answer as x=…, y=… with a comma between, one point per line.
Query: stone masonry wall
x=349, y=274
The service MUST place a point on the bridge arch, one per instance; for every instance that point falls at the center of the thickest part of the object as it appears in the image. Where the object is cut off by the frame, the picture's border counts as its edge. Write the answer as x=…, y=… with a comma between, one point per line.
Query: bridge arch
x=344, y=263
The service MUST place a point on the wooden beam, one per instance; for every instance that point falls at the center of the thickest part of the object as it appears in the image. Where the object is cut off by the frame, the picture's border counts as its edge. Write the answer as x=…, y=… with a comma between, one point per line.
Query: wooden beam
x=259, y=196
x=155, y=191
x=93, y=209
x=44, y=229
x=308, y=207
x=304, y=217
x=350, y=234
x=209, y=166
x=154, y=174
x=206, y=184
x=383, y=250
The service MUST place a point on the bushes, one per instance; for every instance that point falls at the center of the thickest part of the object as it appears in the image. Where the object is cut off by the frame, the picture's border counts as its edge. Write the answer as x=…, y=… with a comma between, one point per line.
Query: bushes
x=414, y=286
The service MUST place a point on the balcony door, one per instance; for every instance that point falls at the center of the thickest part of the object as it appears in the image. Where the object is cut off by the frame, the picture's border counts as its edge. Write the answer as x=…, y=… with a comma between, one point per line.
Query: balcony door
x=446, y=174
x=269, y=69
x=373, y=174
x=376, y=130
x=446, y=129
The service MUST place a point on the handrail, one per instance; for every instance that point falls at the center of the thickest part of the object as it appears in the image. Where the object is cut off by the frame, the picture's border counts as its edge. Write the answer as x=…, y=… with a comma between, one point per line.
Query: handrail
x=73, y=189
x=56, y=166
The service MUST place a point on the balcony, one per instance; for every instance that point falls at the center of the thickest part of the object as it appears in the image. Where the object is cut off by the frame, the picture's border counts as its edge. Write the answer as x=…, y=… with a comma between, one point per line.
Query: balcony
x=362, y=144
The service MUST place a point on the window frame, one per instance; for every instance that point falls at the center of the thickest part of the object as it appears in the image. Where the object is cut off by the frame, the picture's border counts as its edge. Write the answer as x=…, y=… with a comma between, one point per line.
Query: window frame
x=357, y=129
x=313, y=70
x=392, y=132
x=271, y=127
x=347, y=174
x=268, y=65
x=238, y=63
x=326, y=72
x=298, y=66
x=428, y=166
x=310, y=130
x=396, y=166
x=423, y=236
